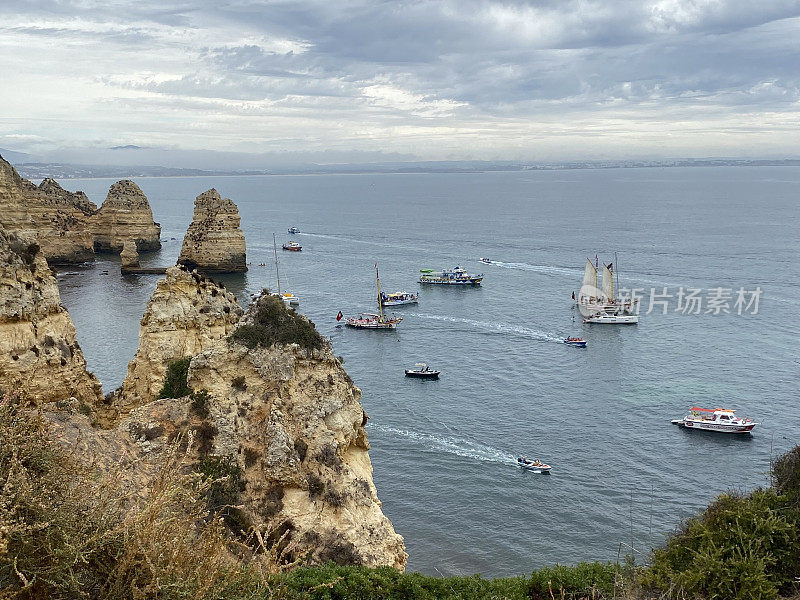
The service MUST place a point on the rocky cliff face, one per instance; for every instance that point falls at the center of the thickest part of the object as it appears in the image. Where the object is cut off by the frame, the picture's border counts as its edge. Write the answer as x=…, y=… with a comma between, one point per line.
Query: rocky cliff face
x=125, y=214
x=214, y=243
x=67, y=225
x=186, y=314
x=39, y=355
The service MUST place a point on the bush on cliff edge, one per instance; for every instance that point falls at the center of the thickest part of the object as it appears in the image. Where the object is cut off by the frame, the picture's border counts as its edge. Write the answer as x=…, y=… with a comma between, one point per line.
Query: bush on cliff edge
x=273, y=323
x=175, y=385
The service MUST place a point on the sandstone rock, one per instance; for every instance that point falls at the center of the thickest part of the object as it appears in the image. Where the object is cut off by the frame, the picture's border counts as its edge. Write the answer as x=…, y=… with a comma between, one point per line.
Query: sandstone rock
x=214, y=243
x=125, y=215
x=186, y=314
x=39, y=355
x=129, y=257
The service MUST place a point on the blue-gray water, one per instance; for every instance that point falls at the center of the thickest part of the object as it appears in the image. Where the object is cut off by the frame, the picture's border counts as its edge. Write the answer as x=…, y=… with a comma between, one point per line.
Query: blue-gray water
x=443, y=451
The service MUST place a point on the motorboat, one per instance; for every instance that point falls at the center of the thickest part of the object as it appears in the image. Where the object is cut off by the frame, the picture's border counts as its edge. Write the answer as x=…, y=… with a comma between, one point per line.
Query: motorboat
x=399, y=298
x=721, y=420
x=612, y=318
x=371, y=320
x=294, y=230
x=456, y=276
x=422, y=371
x=486, y=261
x=577, y=342
x=536, y=465
x=292, y=246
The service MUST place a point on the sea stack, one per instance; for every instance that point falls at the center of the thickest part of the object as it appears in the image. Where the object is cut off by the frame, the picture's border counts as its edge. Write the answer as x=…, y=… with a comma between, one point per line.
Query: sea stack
x=125, y=214
x=214, y=243
x=39, y=355
x=129, y=257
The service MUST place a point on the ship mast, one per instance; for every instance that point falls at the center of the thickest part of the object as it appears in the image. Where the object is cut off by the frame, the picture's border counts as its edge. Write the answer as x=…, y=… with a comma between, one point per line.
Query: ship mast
x=277, y=274
x=378, y=280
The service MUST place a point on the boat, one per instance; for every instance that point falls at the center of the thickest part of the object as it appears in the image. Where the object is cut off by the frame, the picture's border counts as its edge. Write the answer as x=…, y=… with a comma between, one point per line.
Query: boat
x=599, y=305
x=486, y=261
x=536, y=465
x=399, y=298
x=577, y=342
x=612, y=318
x=371, y=320
x=422, y=371
x=288, y=298
x=456, y=276
x=294, y=230
x=292, y=246
x=720, y=420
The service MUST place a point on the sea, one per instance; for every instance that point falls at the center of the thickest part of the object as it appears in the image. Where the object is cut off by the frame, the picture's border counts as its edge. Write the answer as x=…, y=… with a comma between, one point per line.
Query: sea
x=444, y=452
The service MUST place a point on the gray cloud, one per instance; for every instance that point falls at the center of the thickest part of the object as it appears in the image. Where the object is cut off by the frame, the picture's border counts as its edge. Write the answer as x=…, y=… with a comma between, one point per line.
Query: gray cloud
x=419, y=77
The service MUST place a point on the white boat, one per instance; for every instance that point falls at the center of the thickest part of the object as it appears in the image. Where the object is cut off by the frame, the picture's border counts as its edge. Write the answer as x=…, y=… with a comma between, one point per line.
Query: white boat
x=292, y=246
x=288, y=298
x=371, y=320
x=422, y=371
x=536, y=466
x=293, y=230
x=399, y=299
x=456, y=276
x=721, y=420
x=486, y=261
x=612, y=319
x=597, y=305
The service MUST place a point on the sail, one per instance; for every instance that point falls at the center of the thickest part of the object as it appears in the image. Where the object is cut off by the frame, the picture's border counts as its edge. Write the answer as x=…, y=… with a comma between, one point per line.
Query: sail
x=608, y=283
x=589, y=284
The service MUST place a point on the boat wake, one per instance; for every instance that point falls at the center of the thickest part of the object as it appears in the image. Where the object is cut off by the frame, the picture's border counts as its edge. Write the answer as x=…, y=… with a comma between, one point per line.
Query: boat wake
x=451, y=445
x=545, y=269
x=496, y=327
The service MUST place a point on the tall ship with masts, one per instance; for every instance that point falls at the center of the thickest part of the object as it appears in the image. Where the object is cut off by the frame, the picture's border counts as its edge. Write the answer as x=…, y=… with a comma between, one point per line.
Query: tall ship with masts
x=600, y=305
x=371, y=320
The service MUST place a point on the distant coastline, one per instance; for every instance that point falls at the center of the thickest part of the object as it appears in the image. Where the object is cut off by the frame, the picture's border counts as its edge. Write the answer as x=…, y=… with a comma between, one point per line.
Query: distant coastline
x=37, y=170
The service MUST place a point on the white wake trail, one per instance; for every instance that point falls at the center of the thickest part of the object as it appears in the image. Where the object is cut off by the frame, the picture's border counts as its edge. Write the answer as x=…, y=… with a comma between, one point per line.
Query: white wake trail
x=498, y=327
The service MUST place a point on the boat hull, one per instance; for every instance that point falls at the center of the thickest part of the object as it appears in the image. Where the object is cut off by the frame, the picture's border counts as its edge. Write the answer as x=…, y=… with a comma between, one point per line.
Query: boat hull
x=581, y=344
x=399, y=302
x=469, y=282
x=292, y=249
x=715, y=427
x=613, y=319
x=419, y=375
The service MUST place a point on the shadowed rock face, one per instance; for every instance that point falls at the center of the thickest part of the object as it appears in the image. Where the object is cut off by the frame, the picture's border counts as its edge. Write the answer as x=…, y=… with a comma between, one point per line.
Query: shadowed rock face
x=67, y=225
x=125, y=215
x=214, y=243
x=39, y=355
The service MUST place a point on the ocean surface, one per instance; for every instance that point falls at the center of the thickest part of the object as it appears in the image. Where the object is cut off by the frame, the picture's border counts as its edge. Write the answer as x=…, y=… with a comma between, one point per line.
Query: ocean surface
x=444, y=451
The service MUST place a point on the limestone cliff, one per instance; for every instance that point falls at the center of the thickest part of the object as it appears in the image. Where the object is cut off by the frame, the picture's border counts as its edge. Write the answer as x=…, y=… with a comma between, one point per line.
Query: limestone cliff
x=125, y=214
x=67, y=225
x=186, y=314
x=48, y=215
x=39, y=355
x=214, y=243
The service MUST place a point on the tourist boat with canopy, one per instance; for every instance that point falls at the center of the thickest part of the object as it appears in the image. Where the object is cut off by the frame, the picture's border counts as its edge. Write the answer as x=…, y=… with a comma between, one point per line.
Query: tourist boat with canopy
x=374, y=321
x=422, y=371
x=399, y=298
x=292, y=246
x=288, y=298
x=456, y=276
x=720, y=420
x=536, y=465
x=576, y=342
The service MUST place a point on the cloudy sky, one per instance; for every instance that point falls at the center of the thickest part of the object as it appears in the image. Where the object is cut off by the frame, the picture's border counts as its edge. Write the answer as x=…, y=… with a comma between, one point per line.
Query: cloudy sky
x=360, y=80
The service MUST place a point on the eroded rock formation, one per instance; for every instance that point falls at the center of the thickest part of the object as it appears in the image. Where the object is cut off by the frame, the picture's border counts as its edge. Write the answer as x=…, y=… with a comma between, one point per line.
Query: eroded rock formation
x=129, y=257
x=39, y=355
x=67, y=225
x=186, y=314
x=125, y=215
x=214, y=243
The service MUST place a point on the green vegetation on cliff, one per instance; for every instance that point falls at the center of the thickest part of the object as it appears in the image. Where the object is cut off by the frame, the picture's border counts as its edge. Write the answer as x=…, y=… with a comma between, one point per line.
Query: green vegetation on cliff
x=273, y=323
x=67, y=531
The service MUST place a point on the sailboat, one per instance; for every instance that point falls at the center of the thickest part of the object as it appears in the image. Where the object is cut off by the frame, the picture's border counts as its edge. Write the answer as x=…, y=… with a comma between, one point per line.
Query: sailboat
x=370, y=320
x=600, y=305
x=287, y=297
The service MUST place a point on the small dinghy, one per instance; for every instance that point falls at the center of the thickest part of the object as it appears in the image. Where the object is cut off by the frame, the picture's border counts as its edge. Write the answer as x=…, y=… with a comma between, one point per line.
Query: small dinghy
x=577, y=342
x=486, y=261
x=536, y=466
x=294, y=230
x=422, y=371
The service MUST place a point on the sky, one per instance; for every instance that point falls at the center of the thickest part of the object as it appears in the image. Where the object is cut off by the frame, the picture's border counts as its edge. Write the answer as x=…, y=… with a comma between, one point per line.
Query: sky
x=255, y=83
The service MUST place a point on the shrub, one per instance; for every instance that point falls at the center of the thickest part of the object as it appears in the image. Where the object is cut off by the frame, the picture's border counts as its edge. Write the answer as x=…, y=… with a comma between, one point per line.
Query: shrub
x=334, y=497
x=786, y=474
x=315, y=486
x=225, y=485
x=584, y=580
x=204, y=435
x=175, y=385
x=200, y=403
x=273, y=323
x=301, y=448
x=239, y=383
x=328, y=456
